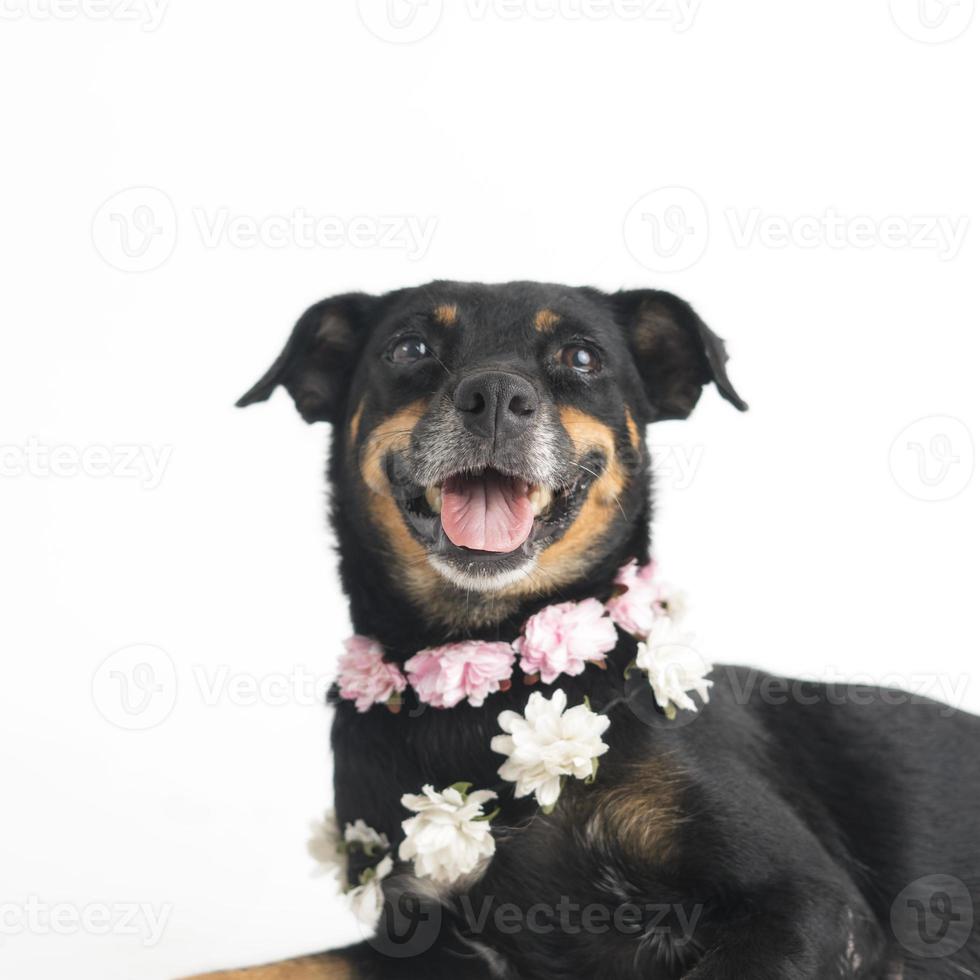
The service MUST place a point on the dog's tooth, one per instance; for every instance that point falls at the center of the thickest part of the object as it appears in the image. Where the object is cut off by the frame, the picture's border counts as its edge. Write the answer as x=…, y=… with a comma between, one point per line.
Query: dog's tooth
x=540, y=498
x=433, y=497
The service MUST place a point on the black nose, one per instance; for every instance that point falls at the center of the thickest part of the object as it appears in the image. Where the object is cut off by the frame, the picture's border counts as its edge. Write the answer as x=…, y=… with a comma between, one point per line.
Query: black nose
x=496, y=404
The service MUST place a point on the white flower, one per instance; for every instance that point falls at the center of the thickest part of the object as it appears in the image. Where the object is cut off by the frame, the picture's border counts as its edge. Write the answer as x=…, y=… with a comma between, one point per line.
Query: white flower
x=673, y=667
x=331, y=849
x=450, y=836
x=326, y=846
x=367, y=900
x=671, y=602
x=548, y=743
x=366, y=837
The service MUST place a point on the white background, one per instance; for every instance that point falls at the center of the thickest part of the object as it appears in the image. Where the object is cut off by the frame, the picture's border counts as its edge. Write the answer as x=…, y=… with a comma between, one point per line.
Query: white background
x=529, y=140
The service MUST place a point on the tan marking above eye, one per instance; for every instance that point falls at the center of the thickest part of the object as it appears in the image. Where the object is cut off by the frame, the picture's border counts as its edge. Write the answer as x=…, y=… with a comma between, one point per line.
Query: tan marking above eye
x=545, y=320
x=446, y=314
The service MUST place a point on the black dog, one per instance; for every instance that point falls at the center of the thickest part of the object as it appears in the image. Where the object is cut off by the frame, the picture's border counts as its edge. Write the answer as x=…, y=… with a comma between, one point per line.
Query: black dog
x=779, y=833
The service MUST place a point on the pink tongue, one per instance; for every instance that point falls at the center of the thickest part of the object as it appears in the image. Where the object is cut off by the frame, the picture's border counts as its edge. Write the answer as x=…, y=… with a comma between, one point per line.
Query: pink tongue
x=489, y=512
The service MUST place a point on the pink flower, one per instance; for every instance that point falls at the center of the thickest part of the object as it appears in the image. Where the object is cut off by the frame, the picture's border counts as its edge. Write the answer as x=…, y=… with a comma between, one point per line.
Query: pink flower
x=634, y=610
x=364, y=676
x=562, y=638
x=443, y=676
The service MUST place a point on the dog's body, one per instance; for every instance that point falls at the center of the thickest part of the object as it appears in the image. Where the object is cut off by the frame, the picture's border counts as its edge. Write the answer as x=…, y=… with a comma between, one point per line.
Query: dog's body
x=783, y=832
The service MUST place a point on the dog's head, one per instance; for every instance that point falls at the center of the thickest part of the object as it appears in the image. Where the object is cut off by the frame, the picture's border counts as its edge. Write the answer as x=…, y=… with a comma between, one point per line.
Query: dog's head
x=489, y=439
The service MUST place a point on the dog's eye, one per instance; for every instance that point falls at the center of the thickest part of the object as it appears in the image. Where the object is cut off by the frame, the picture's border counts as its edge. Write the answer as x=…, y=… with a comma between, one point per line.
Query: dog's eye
x=408, y=350
x=582, y=359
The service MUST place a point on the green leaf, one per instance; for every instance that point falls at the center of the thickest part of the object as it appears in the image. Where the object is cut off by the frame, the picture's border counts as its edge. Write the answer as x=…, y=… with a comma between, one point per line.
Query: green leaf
x=589, y=780
x=462, y=788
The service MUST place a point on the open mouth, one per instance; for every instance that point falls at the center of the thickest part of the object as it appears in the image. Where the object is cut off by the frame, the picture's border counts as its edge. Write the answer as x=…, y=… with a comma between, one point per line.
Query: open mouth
x=488, y=511
x=486, y=523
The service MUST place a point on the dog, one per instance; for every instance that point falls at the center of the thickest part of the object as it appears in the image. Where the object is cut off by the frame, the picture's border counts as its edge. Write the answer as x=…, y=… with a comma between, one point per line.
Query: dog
x=487, y=461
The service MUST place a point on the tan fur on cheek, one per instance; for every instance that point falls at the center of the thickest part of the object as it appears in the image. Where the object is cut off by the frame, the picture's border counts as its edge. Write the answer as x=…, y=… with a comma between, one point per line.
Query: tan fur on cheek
x=568, y=556
x=634, y=432
x=587, y=434
x=394, y=434
x=355, y=423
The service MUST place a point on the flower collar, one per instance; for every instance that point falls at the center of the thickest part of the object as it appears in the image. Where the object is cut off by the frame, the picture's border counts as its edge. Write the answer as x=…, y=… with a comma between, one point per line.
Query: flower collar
x=449, y=839
x=560, y=639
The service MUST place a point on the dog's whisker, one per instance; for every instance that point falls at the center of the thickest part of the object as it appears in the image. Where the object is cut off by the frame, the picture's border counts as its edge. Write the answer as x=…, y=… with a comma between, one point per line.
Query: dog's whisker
x=616, y=496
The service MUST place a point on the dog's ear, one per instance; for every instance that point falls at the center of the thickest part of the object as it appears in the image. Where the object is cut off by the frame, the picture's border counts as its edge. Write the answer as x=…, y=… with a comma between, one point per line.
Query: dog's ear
x=316, y=364
x=675, y=352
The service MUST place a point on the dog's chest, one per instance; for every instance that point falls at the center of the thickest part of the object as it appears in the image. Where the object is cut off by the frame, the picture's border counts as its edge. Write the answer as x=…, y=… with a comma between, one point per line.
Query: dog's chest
x=378, y=759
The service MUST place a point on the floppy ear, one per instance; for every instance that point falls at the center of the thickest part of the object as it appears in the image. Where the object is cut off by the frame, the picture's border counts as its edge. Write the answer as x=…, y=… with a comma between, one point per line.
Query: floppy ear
x=316, y=364
x=675, y=352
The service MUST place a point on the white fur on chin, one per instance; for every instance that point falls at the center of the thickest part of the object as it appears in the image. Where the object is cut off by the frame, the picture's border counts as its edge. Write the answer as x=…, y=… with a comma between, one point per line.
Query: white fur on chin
x=482, y=582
